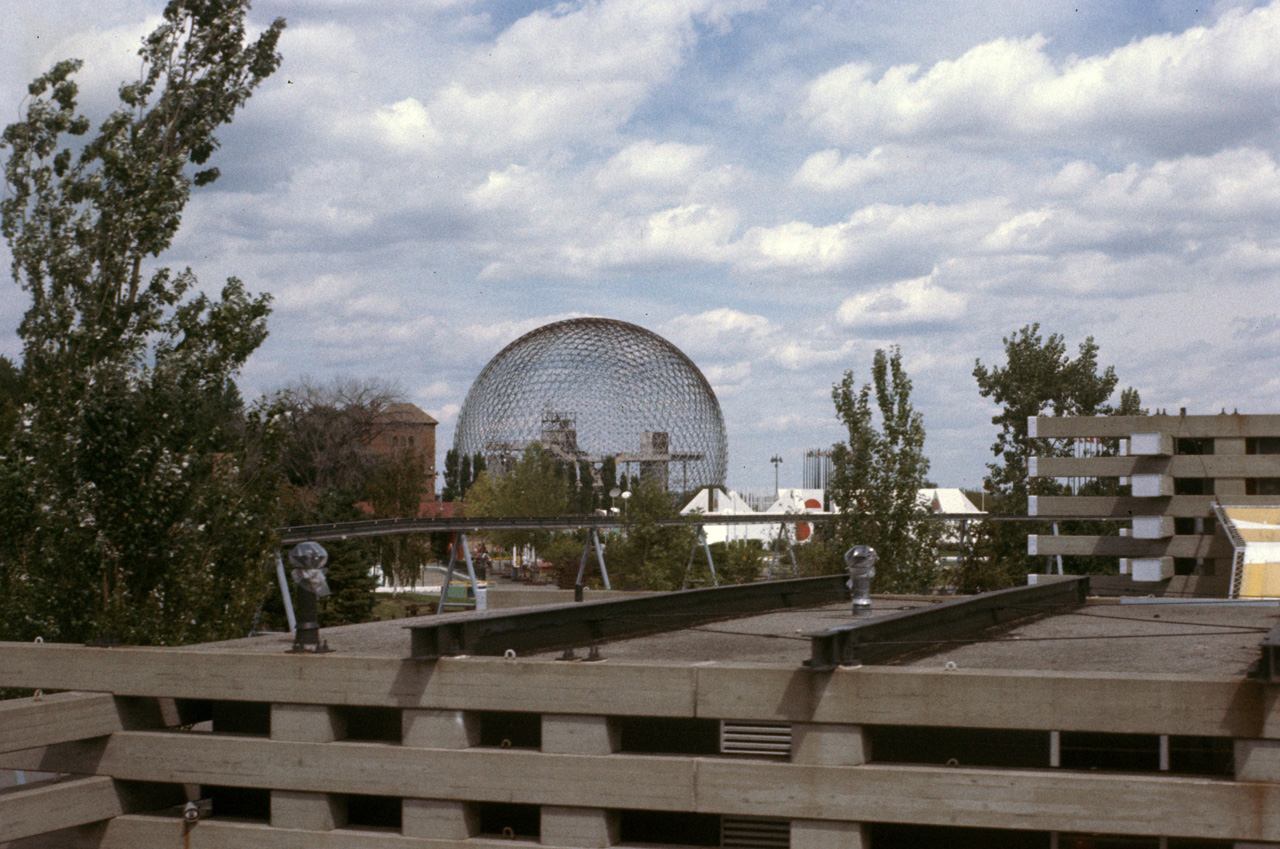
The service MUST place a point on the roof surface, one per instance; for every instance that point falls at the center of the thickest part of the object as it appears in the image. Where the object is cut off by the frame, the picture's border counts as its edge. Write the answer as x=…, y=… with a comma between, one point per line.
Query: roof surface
x=1206, y=638
x=403, y=413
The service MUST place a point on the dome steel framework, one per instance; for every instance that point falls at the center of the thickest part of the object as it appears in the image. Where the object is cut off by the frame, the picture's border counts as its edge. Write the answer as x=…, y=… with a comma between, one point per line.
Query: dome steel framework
x=592, y=388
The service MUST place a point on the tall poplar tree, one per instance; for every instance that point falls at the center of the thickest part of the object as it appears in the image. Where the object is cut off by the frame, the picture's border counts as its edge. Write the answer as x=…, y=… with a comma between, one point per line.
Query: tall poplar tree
x=138, y=496
x=878, y=472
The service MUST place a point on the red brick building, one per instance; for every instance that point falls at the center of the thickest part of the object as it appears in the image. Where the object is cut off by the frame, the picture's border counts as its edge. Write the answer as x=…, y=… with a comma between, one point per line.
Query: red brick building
x=405, y=427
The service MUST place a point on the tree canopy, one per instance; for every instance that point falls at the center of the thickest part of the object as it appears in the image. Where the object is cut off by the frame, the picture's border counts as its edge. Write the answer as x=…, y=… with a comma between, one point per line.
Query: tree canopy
x=1038, y=378
x=878, y=472
x=138, y=494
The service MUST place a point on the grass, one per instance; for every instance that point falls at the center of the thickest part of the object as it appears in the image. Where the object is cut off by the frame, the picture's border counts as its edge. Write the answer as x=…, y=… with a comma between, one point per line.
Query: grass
x=398, y=607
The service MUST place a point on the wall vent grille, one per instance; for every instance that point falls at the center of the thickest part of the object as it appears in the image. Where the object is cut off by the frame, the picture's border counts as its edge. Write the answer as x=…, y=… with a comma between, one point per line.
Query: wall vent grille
x=754, y=833
x=768, y=739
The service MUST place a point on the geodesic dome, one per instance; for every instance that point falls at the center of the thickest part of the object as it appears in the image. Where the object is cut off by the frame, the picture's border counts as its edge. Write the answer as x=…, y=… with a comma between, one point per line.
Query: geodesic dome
x=592, y=388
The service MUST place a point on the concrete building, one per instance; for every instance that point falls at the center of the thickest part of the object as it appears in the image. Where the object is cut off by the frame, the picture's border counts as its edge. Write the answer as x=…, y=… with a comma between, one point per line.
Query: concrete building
x=1103, y=726
x=1181, y=471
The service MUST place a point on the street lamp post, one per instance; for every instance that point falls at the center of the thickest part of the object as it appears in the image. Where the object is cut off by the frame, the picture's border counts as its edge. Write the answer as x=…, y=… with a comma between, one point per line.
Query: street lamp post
x=775, y=459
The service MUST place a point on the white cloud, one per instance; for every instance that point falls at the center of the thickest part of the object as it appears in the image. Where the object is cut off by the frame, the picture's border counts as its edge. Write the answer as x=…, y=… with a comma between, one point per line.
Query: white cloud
x=720, y=331
x=445, y=414
x=728, y=373
x=907, y=302
x=570, y=72
x=1167, y=92
x=407, y=123
x=644, y=163
x=827, y=171
x=693, y=231
x=868, y=236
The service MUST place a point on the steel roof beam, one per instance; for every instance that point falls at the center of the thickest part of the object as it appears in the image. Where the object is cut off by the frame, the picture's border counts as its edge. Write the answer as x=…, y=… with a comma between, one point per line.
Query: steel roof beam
x=921, y=629
x=590, y=623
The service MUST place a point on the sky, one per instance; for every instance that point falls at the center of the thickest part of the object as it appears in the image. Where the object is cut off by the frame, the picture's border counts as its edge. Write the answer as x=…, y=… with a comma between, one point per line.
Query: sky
x=777, y=188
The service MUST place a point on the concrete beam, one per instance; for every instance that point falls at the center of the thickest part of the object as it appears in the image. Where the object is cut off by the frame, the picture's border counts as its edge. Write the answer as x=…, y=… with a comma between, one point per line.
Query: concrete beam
x=819, y=834
x=593, y=828
x=1119, y=506
x=1086, y=701
x=1239, y=465
x=309, y=811
x=439, y=729
x=829, y=745
x=1187, y=545
x=56, y=718
x=307, y=723
x=379, y=769
x=579, y=735
x=336, y=679
x=130, y=832
x=1194, y=427
x=1042, y=701
x=1038, y=800
x=1115, y=803
x=54, y=805
x=1257, y=760
x=439, y=819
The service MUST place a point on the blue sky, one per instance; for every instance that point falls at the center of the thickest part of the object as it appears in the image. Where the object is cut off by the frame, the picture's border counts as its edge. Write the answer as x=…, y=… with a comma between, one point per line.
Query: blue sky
x=777, y=188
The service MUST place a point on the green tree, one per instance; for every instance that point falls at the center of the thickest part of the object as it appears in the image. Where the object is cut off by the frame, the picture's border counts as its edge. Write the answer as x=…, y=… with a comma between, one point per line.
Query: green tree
x=336, y=475
x=534, y=486
x=737, y=562
x=466, y=478
x=449, y=492
x=647, y=555
x=1038, y=378
x=395, y=490
x=877, y=474
x=138, y=496
x=11, y=397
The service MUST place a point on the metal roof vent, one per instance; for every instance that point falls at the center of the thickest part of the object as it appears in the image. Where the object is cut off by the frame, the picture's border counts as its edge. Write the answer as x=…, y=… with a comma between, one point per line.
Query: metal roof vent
x=761, y=739
x=755, y=833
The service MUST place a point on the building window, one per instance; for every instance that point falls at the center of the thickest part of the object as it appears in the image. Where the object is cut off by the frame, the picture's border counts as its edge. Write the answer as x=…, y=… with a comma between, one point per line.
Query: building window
x=249, y=719
x=1193, y=446
x=376, y=812
x=510, y=820
x=372, y=724
x=1262, y=445
x=1193, y=486
x=998, y=747
x=511, y=730
x=1119, y=752
x=658, y=735
x=247, y=803
x=1262, y=486
x=669, y=828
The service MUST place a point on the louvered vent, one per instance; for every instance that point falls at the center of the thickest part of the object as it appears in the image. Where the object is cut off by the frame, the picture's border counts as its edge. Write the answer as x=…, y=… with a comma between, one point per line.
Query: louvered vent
x=753, y=833
x=769, y=739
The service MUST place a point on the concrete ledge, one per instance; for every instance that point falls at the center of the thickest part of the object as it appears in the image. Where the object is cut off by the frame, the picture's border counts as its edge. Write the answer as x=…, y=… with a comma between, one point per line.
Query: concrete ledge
x=56, y=718
x=51, y=806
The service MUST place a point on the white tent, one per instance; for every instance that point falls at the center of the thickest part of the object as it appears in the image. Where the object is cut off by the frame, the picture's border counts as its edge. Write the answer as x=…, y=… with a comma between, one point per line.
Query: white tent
x=714, y=502
x=948, y=501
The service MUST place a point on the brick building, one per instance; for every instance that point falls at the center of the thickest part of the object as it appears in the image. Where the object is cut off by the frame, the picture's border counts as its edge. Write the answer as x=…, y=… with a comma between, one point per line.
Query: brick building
x=404, y=427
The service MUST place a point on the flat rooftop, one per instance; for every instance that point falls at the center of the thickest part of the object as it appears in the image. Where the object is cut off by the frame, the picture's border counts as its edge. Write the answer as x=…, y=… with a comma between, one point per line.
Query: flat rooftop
x=1206, y=638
